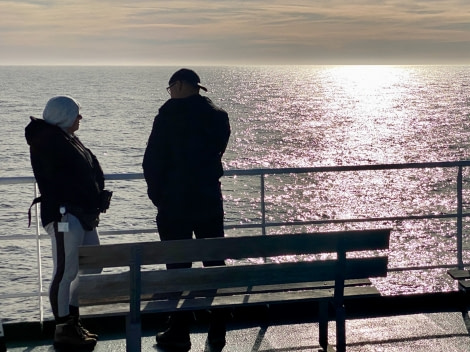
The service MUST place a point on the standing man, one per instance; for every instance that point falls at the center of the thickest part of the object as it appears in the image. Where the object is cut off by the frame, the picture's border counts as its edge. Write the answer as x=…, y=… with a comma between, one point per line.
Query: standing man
x=71, y=184
x=182, y=167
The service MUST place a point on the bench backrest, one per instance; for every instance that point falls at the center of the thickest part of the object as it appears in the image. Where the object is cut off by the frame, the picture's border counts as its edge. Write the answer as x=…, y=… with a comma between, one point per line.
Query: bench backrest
x=157, y=252
x=270, y=273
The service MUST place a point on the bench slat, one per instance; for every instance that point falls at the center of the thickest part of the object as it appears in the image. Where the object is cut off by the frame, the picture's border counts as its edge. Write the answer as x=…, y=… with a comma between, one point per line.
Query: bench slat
x=94, y=300
x=255, y=299
x=459, y=274
x=157, y=252
x=101, y=287
x=233, y=301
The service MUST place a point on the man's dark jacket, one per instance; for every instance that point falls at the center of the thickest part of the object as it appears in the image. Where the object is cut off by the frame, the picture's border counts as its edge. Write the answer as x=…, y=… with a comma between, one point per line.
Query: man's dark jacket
x=67, y=173
x=182, y=163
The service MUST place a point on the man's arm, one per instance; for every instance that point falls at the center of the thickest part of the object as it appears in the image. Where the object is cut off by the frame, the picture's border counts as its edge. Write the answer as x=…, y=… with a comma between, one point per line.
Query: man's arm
x=153, y=162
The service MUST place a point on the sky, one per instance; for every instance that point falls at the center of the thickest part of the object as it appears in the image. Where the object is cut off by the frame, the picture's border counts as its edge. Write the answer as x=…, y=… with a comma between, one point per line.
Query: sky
x=234, y=32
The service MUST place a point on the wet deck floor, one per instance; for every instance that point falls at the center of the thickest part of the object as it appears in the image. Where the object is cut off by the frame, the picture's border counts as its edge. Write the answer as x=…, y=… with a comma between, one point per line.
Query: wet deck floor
x=438, y=332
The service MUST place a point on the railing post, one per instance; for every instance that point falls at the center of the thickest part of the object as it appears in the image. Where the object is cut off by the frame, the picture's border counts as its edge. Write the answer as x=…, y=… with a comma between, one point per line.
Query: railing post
x=459, y=218
x=38, y=254
x=263, y=207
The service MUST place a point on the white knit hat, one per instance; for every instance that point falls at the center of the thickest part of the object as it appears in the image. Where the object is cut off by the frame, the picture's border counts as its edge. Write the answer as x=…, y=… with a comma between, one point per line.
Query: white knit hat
x=61, y=111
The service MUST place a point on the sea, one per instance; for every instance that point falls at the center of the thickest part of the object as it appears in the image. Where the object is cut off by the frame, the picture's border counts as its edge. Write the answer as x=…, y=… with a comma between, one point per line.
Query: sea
x=281, y=117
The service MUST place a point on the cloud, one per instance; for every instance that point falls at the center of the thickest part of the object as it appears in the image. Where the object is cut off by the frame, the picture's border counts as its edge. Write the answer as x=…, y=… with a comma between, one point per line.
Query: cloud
x=149, y=31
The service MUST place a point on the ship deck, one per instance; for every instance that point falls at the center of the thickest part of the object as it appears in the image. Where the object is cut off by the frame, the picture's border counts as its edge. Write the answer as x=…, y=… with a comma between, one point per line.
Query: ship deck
x=428, y=322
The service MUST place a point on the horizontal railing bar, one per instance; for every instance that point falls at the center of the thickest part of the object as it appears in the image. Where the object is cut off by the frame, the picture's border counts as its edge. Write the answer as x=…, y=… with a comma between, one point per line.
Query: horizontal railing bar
x=127, y=232
x=258, y=225
x=124, y=177
x=253, y=172
x=23, y=295
x=16, y=180
x=20, y=237
x=340, y=221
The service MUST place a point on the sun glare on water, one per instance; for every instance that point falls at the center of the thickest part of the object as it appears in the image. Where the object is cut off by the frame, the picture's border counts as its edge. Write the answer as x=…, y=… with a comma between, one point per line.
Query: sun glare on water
x=372, y=107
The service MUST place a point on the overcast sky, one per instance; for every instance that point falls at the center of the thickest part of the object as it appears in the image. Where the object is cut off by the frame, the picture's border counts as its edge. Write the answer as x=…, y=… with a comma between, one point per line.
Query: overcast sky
x=198, y=32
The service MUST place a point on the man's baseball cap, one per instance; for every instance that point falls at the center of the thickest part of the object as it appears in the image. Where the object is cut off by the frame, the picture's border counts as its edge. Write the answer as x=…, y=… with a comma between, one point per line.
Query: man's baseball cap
x=187, y=75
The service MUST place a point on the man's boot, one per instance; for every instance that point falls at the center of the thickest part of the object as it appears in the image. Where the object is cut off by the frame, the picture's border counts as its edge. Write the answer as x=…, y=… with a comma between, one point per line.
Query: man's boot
x=218, y=327
x=176, y=337
x=69, y=336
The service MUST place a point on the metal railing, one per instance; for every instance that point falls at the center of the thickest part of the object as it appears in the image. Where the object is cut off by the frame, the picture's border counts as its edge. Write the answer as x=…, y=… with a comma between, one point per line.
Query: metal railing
x=459, y=215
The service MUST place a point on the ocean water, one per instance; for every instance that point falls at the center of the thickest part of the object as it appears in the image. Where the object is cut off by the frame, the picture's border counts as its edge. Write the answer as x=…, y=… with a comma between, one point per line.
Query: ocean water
x=281, y=116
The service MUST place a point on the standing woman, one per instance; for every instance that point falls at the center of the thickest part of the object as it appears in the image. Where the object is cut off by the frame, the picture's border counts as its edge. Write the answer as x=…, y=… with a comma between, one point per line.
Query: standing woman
x=71, y=183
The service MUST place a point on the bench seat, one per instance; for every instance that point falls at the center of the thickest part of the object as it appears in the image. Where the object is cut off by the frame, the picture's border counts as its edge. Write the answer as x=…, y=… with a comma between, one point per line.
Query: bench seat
x=241, y=297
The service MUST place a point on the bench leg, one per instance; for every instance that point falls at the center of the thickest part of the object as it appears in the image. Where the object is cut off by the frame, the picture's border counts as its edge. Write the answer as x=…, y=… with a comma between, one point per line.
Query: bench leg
x=340, y=329
x=323, y=324
x=133, y=322
x=464, y=307
x=133, y=335
x=465, y=316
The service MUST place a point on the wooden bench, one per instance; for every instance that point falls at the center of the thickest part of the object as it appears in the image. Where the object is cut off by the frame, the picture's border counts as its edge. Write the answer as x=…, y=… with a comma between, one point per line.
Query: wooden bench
x=259, y=282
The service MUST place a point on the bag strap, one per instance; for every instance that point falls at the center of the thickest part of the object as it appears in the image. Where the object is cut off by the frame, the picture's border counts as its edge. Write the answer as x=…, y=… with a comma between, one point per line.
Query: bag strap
x=35, y=201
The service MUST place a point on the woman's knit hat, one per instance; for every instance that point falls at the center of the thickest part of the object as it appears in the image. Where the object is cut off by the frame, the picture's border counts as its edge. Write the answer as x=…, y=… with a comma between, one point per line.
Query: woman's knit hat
x=61, y=111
